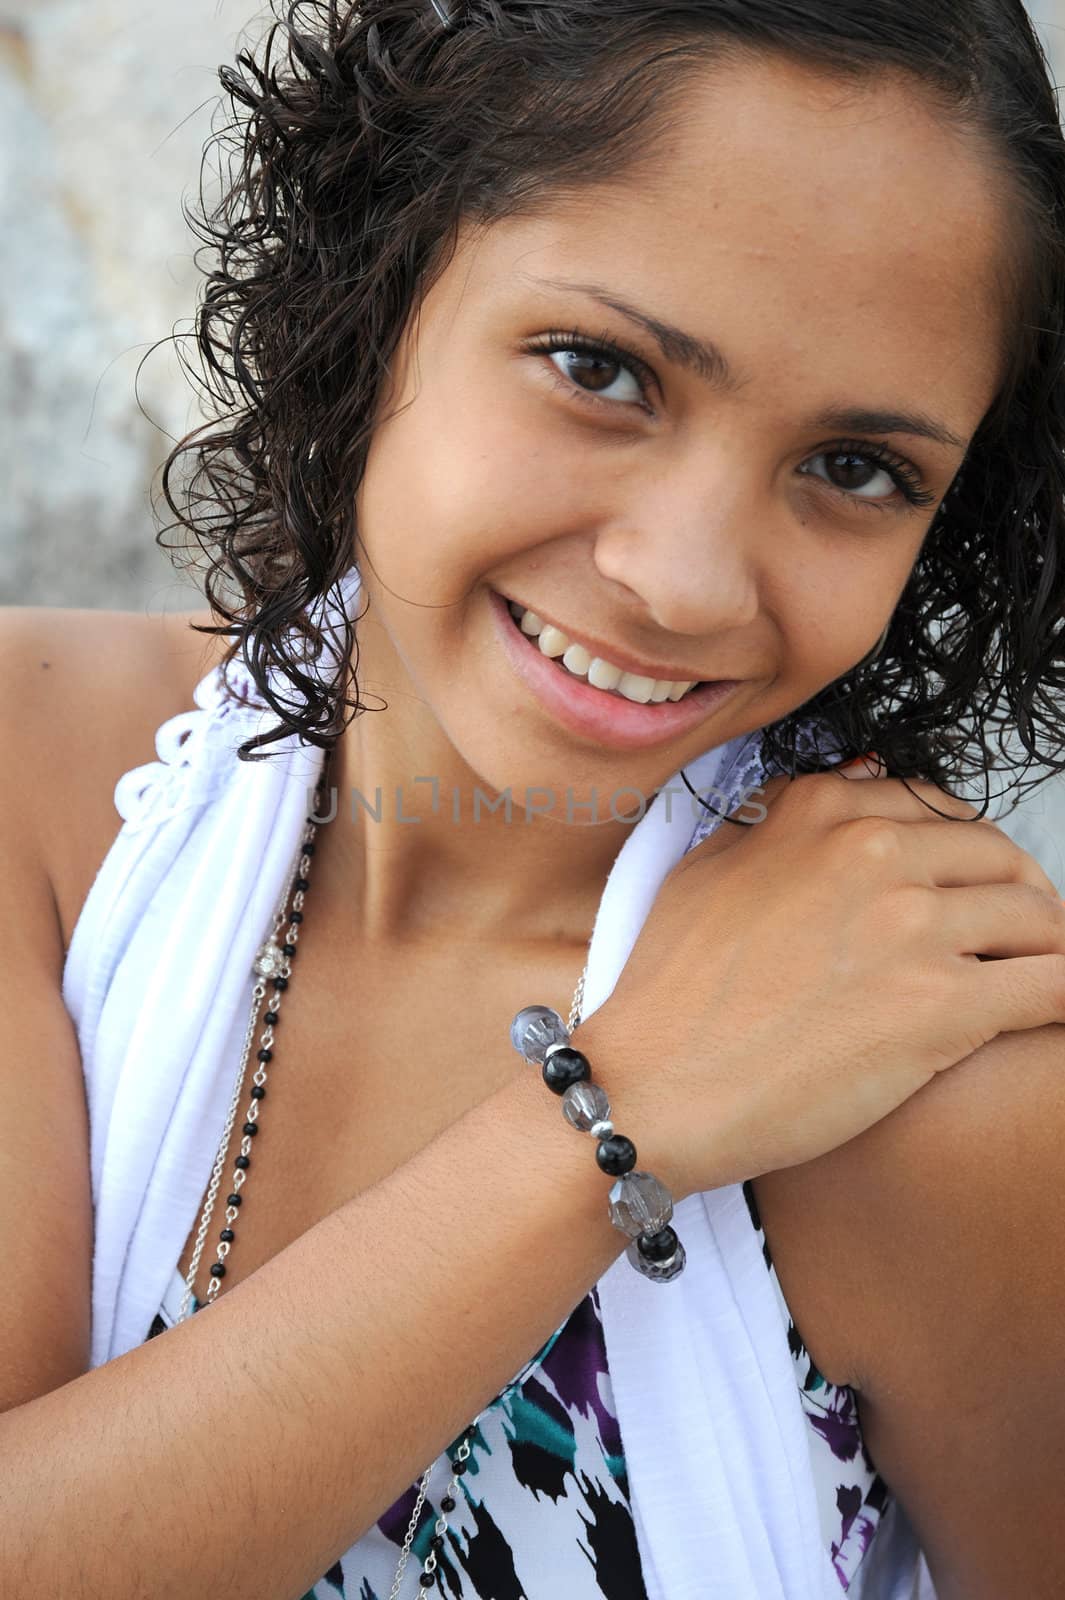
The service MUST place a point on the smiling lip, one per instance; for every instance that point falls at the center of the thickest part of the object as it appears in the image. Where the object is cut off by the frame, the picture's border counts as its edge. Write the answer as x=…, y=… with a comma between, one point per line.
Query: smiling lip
x=604, y=719
x=618, y=658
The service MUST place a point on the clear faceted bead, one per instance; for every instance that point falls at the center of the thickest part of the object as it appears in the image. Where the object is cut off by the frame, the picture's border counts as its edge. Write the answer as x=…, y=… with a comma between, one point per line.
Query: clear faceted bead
x=657, y=1271
x=584, y=1104
x=639, y=1203
x=533, y=1029
x=270, y=960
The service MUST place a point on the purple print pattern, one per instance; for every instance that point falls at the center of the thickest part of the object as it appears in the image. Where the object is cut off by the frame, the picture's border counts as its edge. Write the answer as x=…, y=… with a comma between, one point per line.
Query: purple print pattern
x=544, y=1505
x=851, y=1495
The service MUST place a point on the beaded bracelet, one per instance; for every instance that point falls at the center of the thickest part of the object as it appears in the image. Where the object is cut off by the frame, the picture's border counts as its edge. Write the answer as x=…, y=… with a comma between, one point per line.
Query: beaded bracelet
x=640, y=1205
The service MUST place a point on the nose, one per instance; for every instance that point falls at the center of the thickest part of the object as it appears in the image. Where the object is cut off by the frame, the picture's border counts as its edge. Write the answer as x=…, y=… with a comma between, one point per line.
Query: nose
x=685, y=553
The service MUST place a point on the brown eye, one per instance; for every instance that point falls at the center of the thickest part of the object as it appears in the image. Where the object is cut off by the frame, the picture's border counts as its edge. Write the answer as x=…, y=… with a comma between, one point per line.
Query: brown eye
x=595, y=372
x=851, y=472
x=854, y=474
x=582, y=367
x=850, y=465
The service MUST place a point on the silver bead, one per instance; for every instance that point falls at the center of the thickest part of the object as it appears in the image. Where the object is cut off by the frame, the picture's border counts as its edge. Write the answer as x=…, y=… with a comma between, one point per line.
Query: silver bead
x=270, y=960
x=533, y=1029
x=602, y=1130
x=657, y=1271
x=639, y=1203
x=585, y=1104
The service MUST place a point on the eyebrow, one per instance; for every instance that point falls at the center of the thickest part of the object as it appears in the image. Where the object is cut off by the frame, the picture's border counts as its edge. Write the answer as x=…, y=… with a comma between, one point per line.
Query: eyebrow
x=708, y=362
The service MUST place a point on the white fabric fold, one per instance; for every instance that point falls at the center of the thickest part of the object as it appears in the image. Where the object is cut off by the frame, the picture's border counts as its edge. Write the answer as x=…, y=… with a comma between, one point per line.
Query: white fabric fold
x=158, y=982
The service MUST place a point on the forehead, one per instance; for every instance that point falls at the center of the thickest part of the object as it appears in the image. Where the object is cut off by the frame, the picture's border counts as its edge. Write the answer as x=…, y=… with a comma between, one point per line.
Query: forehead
x=812, y=226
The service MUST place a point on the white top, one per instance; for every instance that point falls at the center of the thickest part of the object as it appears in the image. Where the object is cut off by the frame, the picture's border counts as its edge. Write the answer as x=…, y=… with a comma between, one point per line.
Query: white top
x=158, y=983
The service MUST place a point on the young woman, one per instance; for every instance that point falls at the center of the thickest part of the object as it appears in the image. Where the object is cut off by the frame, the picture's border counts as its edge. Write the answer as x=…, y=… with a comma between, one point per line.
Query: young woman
x=620, y=401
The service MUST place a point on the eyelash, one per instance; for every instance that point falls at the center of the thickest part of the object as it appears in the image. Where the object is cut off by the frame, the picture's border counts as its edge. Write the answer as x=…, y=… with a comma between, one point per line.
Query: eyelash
x=905, y=476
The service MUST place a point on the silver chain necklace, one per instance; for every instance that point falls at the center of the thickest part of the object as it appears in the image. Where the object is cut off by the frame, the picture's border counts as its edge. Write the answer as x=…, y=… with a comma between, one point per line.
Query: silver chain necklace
x=273, y=964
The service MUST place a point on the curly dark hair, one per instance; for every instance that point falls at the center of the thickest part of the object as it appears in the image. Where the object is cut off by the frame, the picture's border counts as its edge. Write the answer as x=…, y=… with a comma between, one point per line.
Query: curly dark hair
x=362, y=136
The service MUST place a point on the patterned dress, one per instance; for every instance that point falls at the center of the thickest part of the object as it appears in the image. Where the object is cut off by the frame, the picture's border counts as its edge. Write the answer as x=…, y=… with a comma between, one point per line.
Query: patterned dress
x=544, y=1505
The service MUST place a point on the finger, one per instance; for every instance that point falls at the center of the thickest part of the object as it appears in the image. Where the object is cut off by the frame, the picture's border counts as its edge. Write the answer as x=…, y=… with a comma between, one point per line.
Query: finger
x=904, y=799
x=951, y=854
x=1011, y=996
x=998, y=920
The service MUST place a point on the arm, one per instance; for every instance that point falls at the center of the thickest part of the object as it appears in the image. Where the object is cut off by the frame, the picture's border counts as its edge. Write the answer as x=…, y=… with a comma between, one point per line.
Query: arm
x=242, y=1452
x=959, y=1210
x=245, y=1450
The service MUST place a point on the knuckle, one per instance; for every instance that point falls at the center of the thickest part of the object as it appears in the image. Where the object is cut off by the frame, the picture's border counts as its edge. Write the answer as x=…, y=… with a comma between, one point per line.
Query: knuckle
x=873, y=842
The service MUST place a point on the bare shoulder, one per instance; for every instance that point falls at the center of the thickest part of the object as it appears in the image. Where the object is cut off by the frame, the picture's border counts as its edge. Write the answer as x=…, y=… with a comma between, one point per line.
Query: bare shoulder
x=928, y=1256
x=86, y=691
x=83, y=692
x=975, y=1378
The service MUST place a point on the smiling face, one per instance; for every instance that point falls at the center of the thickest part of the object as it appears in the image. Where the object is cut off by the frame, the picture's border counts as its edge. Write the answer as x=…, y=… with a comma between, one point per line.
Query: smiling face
x=694, y=501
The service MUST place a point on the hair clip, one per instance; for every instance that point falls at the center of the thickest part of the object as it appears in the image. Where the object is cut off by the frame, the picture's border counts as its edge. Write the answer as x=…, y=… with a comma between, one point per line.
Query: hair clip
x=444, y=13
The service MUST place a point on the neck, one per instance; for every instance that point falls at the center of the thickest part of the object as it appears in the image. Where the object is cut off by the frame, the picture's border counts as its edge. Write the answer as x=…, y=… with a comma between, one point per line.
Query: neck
x=418, y=846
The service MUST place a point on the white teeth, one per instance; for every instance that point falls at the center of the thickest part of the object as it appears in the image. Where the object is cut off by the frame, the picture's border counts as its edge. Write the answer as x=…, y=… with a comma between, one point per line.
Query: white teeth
x=553, y=641
x=599, y=673
x=633, y=687
x=578, y=660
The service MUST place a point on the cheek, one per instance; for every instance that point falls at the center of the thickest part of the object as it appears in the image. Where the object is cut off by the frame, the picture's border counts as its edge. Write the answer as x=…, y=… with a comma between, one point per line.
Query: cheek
x=836, y=606
x=452, y=489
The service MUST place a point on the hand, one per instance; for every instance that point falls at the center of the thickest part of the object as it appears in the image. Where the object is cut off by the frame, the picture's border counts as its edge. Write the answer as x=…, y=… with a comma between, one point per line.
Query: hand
x=799, y=978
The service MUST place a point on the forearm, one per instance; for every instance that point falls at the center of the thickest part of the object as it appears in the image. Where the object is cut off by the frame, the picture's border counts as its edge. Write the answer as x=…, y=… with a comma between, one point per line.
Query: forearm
x=246, y=1449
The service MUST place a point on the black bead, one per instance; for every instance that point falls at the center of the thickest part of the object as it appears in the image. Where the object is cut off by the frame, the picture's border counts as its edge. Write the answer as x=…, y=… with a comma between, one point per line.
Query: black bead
x=270, y=1017
x=281, y=983
x=616, y=1155
x=251, y=1129
x=234, y=1200
x=264, y=1055
x=288, y=949
x=459, y=1467
x=227, y=1236
x=447, y=1503
x=303, y=883
x=243, y=1163
x=218, y=1270
x=564, y=1067
x=258, y=1092
x=660, y=1246
x=295, y=916
x=437, y=1541
x=426, y=1580
x=308, y=849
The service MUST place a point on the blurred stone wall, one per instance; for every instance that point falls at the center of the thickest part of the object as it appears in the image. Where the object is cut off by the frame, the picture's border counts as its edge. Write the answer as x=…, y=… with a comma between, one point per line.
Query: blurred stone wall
x=104, y=108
